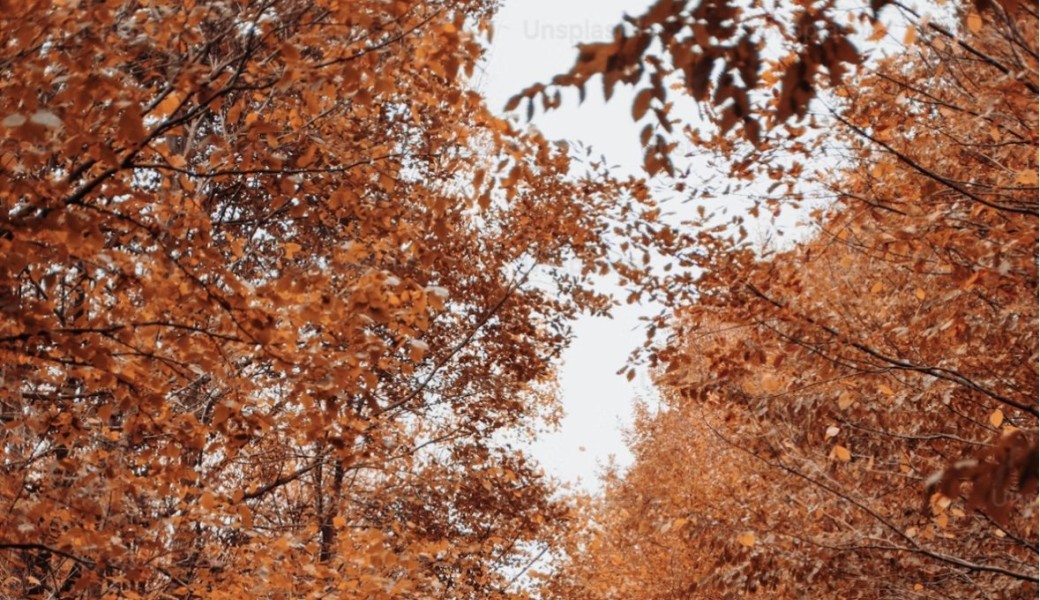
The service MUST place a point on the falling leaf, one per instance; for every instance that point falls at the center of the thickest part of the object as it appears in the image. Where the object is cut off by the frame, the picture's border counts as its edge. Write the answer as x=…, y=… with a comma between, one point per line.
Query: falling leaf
x=996, y=418
x=841, y=453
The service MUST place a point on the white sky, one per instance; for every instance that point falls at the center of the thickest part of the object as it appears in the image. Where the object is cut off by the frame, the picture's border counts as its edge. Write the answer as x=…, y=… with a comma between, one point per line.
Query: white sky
x=535, y=40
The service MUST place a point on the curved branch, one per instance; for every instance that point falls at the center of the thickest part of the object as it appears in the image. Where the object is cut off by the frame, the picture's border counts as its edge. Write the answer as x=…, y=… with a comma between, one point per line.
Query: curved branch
x=912, y=545
x=936, y=372
x=45, y=548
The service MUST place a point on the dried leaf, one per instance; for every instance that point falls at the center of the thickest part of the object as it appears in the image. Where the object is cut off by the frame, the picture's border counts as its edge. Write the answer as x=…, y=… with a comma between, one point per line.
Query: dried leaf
x=910, y=36
x=642, y=103
x=974, y=23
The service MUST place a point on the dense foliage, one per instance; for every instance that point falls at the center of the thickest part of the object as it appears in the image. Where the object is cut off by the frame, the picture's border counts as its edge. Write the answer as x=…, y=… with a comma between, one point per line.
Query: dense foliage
x=276, y=287
x=280, y=296
x=856, y=416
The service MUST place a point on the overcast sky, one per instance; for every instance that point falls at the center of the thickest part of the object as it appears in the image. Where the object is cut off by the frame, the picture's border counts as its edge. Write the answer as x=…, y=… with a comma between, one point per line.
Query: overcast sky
x=534, y=40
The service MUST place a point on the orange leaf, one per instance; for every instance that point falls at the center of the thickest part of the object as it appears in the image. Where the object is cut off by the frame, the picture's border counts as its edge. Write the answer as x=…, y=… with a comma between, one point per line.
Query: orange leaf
x=879, y=32
x=911, y=35
x=1027, y=177
x=168, y=105
x=771, y=384
x=974, y=23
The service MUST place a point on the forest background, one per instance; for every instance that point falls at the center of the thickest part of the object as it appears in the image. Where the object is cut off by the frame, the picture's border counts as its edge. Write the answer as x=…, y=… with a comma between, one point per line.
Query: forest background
x=282, y=298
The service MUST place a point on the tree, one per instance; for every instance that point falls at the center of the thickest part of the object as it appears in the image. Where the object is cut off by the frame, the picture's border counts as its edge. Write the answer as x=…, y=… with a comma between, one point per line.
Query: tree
x=856, y=415
x=276, y=286
x=685, y=521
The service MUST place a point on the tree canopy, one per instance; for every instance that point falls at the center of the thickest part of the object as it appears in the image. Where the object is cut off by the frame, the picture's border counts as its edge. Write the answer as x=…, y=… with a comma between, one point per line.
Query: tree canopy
x=276, y=285
x=855, y=415
x=281, y=298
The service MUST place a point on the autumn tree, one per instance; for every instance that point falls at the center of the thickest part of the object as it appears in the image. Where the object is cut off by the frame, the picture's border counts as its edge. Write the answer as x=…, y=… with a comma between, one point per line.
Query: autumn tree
x=276, y=291
x=683, y=522
x=856, y=416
